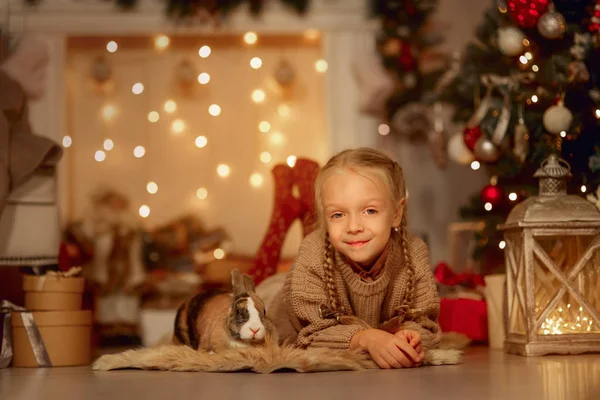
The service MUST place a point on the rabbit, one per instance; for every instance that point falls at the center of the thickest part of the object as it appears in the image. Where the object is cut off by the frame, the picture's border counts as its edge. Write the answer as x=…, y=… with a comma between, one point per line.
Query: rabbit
x=217, y=320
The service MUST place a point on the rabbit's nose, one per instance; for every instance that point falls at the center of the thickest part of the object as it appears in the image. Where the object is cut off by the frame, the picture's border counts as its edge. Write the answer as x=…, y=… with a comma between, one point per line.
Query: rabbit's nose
x=255, y=331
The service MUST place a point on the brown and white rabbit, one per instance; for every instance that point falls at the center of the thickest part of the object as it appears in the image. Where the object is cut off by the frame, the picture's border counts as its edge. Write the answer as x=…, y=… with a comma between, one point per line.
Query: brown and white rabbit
x=216, y=320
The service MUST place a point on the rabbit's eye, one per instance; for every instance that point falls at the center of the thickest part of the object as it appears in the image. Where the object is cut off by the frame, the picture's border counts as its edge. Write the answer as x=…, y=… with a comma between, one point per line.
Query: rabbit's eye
x=265, y=311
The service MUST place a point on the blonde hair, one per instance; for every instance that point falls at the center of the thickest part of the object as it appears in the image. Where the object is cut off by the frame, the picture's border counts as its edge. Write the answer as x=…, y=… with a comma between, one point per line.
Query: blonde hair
x=364, y=161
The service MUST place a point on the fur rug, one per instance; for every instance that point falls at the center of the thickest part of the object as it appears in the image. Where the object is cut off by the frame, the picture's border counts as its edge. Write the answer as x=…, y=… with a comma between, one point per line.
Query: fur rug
x=262, y=360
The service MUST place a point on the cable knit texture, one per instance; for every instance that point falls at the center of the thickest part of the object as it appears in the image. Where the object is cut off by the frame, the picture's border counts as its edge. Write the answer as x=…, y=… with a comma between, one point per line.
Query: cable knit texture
x=295, y=309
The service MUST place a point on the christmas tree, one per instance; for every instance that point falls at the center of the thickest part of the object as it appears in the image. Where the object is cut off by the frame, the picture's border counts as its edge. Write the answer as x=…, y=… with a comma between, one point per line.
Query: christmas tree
x=529, y=86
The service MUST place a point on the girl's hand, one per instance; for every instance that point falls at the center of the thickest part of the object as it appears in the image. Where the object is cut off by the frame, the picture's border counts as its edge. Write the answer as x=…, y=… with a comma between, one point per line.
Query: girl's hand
x=387, y=350
x=414, y=339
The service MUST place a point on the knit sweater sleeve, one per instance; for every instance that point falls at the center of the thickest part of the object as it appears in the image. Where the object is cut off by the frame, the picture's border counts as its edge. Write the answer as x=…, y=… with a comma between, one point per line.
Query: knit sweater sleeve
x=426, y=301
x=306, y=292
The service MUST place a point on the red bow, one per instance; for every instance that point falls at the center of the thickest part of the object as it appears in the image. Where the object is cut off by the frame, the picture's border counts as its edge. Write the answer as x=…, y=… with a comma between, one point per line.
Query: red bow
x=444, y=275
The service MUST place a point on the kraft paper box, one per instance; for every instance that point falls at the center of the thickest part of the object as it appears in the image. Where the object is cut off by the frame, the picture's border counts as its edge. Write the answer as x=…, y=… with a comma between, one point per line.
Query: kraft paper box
x=53, y=293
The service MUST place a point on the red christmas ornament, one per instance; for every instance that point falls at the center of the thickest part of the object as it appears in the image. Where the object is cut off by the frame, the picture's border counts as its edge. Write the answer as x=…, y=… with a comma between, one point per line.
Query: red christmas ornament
x=526, y=13
x=492, y=194
x=471, y=136
x=405, y=58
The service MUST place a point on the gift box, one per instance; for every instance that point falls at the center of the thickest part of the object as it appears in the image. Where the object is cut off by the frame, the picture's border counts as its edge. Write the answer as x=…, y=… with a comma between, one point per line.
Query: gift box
x=51, y=338
x=53, y=292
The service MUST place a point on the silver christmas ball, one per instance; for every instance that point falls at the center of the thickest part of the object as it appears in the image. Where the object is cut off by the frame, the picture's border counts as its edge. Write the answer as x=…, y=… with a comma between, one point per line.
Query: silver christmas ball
x=486, y=150
x=552, y=25
x=510, y=41
x=557, y=118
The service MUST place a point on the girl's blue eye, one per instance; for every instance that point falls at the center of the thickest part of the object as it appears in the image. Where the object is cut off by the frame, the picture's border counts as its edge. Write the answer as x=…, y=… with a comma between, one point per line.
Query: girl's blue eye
x=336, y=215
x=371, y=211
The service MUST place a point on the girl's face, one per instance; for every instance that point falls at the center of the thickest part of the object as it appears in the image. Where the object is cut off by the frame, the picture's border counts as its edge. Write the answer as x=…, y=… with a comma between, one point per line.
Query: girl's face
x=360, y=214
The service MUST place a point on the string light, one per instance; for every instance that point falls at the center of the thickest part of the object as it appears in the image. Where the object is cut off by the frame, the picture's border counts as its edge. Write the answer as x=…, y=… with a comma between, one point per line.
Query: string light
x=502, y=245
x=534, y=98
x=283, y=111
x=152, y=187
x=100, y=156
x=201, y=194
x=512, y=196
x=258, y=96
x=108, y=145
x=383, y=129
x=178, y=126
x=523, y=60
x=277, y=138
x=264, y=127
x=563, y=134
x=256, y=63
x=535, y=68
x=250, y=38
x=139, y=151
x=265, y=157
x=201, y=141
x=475, y=165
x=214, y=110
x=137, y=88
x=598, y=113
x=203, y=78
x=321, y=66
x=291, y=161
x=144, y=211
x=153, y=116
x=219, y=254
x=526, y=42
x=555, y=324
x=109, y=112
x=162, y=42
x=488, y=206
x=112, y=46
x=204, y=51
x=256, y=180
x=170, y=106
x=67, y=141
x=583, y=189
x=528, y=55
x=223, y=170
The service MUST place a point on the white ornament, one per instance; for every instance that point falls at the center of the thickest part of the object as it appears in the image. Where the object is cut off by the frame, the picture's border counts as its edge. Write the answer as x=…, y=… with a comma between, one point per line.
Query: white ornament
x=557, y=118
x=458, y=150
x=552, y=25
x=510, y=41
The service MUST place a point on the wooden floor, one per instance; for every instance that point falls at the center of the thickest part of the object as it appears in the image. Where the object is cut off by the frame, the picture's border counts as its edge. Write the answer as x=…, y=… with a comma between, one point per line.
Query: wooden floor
x=484, y=375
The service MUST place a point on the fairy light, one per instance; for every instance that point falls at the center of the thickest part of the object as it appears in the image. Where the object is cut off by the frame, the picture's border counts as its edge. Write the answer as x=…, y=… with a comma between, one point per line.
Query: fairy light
x=112, y=46
x=219, y=254
x=67, y=141
x=203, y=78
x=321, y=66
x=502, y=245
x=153, y=116
x=283, y=110
x=201, y=193
x=109, y=112
x=139, y=151
x=488, y=206
x=528, y=55
x=583, y=189
x=152, y=187
x=523, y=60
x=162, y=42
x=535, y=68
x=170, y=106
x=264, y=127
x=291, y=161
x=598, y=113
x=144, y=211
x=475, y=165
x=100, y=156
x=277, y=138
x=256, y=180
x=512, y=196
x=204, y=51
x=534, y=98
x=223, y=170
x=250, y=37
x=258, y=96
x=526, y=42
x=137, y=88
x=383, y=129
x=214, y=110
x=108, y=145
x=178, y=126
x=256, y=62
x=201, y=142
x=563, y=134
x=265, y=157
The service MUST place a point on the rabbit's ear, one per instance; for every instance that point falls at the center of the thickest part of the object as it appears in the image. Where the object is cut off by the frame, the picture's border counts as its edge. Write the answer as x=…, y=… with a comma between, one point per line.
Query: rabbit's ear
x=237, y=282
x=248, y=283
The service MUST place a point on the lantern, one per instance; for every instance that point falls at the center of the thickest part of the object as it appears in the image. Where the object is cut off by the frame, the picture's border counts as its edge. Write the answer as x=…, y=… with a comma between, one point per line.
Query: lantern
x=553, y=269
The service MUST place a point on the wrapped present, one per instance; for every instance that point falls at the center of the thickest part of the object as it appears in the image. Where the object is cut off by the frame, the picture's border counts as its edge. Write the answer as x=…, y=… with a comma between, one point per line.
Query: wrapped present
x=54, y=291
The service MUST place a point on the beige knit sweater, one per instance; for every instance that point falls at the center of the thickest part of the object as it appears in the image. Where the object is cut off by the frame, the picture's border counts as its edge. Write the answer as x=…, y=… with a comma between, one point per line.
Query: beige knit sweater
x=295, y=309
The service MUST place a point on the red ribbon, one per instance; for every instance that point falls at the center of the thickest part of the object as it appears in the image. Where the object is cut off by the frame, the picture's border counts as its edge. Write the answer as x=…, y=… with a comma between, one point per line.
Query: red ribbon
x=444, y=275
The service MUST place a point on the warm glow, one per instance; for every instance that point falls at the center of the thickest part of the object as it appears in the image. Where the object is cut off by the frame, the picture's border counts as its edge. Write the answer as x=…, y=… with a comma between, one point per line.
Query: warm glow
x=321, y=66
x=583, y=189
x=502, y=245
x=312, y=34
x=203, y=78
x=153, y=116
x=598, y=113
x=535, y=68
x=152, y=187
x=528, y=55
x=256, y=180
x=283, y=110
x=144, y=211
x=277, y=138
x=214, y=110
x=526, y=42
x=256, y=63
x=291, y=161
x=534, y=98
x=250, y=37
x=563, y=134
x=137, y=88
x=67, y=141
x=170, y=106
x=265, y=157
x=112, y=46
x=512, y=196
x=219, y=254
x=100, y=156
x=523, y=60
x=201, y=141
x=475, y=165
x=139, y=151
x=109, y=112
x=264, y=127
x=383, y=129
x=162, y=42
x=108, y=145
x=488, y=206
x=223, y=170
x=201, y=193
x=204, y=51
x=258, y=96
x=178, y=126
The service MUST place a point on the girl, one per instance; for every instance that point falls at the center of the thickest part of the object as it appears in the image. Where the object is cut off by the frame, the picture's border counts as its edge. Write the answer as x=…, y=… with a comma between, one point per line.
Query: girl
x=361, y=281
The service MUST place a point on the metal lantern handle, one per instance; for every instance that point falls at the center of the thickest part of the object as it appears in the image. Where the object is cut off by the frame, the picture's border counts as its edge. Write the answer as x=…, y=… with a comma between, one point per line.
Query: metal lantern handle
x=560, y=161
